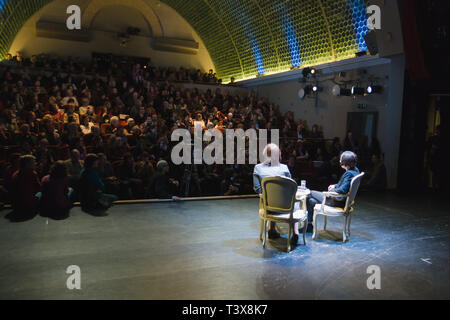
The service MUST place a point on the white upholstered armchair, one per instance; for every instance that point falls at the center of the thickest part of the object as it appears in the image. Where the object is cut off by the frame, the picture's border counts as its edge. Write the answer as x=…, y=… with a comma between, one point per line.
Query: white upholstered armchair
x=328, y=211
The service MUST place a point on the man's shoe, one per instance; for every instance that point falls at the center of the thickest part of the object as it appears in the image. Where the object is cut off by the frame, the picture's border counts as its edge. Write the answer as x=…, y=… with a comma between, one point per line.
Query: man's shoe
x=273, y=234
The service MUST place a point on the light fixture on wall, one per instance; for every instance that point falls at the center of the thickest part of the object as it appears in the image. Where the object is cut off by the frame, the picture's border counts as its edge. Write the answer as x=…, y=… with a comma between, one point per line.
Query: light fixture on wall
x=357, y=91
x=301, y=93
x=338, y=91
x=317, y=89
x=374, y=89
x=306, y=91
x=309, y=72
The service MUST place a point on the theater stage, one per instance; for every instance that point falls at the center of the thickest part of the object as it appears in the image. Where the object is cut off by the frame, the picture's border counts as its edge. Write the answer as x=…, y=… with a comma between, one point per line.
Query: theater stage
x=210, y=250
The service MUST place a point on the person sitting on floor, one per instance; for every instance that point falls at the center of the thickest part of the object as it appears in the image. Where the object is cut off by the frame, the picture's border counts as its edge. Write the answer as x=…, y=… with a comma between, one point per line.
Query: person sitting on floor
x=162, y=186
x=55, y=200
x=25, y=186
x=92, y=188
x=271, y=167
x=348, y=163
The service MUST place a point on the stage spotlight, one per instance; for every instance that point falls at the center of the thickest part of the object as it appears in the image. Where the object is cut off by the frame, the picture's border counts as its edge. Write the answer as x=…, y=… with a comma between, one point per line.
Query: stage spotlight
x=316, y=89
x=307, y=72
x=303, y=92
x=357, y=91
x=338, y=91
x=374, y=89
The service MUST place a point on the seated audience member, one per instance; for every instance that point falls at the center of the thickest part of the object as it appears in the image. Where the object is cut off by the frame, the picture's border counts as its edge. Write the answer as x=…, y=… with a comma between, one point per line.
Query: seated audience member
x=25, y=136
x=114, y=125
x=126, y=172
x=86, y=125
x=49, y=132
x=348, y=162
x=71, y=134
x=55, y=201
x=292, y=169
x=74, y=168
x=128, y=129
x=300, y=152
x=92, y=196
x=144, y=169
x=377, y=175
x=74, y=164
x=107, y=175
x=349, y=142
x=271, y=167
x=94, y=140
x=336, y=147
x=315, y=133
x=301, y=132
x=25, y=186
x=228, y=186
x=70, y=115
x=86, y=108
x=70, y=99
x=162, y=186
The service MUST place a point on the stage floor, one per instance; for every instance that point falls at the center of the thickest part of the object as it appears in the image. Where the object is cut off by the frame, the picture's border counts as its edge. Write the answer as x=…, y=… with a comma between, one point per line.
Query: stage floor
x=210, y=250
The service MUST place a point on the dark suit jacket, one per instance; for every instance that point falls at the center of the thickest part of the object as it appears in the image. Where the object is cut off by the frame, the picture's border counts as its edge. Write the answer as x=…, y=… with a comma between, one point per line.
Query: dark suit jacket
x=343, y=186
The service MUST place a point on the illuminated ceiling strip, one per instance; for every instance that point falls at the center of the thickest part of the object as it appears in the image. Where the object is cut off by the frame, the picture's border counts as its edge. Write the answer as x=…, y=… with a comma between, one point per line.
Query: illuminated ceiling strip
x=229, y=34
x=271, y=33
x=328, y=28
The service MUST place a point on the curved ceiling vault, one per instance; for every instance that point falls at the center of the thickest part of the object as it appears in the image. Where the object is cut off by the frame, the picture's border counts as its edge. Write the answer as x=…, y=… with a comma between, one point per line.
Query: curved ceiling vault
x=246, y=38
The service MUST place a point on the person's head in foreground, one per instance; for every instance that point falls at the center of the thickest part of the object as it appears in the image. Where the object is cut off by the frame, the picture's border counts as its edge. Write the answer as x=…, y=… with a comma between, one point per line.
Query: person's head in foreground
x=27, y=162
x=272, y=154
x=348, y=160
x=58, y=170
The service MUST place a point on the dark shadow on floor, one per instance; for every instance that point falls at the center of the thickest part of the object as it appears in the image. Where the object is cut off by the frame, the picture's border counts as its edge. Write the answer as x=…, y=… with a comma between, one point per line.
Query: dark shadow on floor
x=17, y=218
x=336, y=236
x=95, y=212
x=55, y=218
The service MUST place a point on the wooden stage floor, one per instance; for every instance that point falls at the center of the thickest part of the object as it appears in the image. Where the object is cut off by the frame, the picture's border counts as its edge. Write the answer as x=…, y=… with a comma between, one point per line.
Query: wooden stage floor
x=210, y=250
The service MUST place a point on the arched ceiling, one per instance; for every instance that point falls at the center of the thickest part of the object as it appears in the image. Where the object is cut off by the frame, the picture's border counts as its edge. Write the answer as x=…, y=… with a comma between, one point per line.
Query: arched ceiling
x=247, y=38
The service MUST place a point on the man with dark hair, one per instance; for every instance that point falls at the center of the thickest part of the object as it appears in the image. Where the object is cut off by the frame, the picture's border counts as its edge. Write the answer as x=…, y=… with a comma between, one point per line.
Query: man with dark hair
x=348, y=163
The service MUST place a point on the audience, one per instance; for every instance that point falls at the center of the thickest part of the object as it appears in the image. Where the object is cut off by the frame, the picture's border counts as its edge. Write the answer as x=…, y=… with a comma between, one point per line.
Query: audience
x=61, y=109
